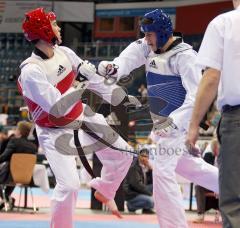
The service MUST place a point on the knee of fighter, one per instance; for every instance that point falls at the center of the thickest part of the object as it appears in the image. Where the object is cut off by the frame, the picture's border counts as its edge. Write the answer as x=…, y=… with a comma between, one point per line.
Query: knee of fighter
x=69, y=187
x=74, y=186
x=127, y=160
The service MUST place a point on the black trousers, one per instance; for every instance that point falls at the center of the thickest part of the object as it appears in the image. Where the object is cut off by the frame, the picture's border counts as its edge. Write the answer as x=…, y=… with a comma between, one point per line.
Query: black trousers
x=229, y=168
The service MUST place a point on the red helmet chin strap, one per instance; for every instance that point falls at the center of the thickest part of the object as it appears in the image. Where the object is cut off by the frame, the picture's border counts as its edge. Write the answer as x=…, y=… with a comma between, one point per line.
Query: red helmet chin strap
x=37, y=26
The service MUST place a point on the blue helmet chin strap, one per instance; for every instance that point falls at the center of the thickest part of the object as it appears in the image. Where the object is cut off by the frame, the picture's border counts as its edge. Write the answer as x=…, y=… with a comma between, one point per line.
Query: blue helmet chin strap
x=161, y=25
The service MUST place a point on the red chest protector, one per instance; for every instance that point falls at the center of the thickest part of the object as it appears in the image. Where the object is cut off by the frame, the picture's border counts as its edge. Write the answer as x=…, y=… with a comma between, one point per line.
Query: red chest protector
x=61, y=75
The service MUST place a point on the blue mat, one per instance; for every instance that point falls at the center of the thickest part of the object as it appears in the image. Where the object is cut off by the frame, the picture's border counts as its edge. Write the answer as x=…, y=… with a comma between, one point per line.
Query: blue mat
x=41, y=224
x=83, y=194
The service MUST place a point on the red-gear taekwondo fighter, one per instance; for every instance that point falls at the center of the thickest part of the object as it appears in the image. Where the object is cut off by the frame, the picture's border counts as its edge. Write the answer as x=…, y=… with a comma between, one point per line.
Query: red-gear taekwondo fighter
x=47, y=77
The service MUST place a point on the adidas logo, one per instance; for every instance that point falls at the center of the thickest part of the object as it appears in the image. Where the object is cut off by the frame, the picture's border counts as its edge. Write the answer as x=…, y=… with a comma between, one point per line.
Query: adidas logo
x=153, y=64
x=61, y=69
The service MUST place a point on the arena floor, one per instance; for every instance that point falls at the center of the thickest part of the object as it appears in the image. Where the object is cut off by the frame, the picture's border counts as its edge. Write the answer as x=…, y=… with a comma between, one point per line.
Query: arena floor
x=84, y=217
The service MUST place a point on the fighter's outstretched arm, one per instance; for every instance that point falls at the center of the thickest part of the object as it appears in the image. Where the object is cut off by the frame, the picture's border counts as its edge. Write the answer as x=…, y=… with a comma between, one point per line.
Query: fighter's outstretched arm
x=132, y=57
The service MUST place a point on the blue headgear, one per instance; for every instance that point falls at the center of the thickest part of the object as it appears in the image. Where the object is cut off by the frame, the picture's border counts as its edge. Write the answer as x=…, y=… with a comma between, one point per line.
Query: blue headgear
x=161, y=25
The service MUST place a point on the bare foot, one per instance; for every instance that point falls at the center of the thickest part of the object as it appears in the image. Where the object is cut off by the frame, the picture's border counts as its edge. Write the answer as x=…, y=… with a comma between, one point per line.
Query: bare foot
x=109, y=203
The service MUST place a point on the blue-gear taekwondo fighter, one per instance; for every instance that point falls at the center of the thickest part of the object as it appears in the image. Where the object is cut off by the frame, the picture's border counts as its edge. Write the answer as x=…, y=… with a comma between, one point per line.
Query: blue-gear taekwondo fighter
x=172, y=80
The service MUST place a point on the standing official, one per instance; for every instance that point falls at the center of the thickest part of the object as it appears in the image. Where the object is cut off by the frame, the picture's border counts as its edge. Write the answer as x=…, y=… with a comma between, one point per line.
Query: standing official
x=219, y=56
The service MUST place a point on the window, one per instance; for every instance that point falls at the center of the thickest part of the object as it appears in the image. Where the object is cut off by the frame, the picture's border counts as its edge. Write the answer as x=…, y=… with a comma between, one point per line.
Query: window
x=126, y=24
x=106, y=24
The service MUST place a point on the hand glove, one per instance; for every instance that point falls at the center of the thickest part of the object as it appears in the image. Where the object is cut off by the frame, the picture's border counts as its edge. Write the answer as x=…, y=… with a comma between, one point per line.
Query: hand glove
x=108, y=69
x=165, y=129
x=86, y=69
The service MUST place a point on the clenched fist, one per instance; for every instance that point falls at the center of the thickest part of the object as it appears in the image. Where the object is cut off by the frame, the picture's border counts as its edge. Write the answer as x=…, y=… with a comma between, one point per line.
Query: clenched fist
x=108, y=69
x=87, y=69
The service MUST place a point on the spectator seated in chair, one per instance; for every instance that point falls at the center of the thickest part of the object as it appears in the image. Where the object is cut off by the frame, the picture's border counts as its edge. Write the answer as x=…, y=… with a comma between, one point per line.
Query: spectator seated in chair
x=17, y=144
x=137, y=185
x=206, y=199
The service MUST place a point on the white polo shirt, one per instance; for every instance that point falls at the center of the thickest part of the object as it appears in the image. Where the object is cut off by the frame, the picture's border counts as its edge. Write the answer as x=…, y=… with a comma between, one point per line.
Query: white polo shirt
x=220, y=49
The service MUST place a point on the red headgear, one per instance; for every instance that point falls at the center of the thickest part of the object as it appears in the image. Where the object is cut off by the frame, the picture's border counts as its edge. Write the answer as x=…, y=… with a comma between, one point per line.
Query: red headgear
x=37, y=25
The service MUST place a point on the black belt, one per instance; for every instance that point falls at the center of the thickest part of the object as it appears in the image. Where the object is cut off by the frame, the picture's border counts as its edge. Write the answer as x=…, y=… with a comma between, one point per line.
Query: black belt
x=229, y=108
x=81, y=153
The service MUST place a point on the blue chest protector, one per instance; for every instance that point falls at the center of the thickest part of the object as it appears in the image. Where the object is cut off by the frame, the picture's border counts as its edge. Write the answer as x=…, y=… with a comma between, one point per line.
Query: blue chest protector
x=165, y=93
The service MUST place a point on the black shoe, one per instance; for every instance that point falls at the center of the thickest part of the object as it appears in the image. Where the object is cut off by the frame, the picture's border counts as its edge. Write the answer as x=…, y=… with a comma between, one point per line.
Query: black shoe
x=148, y=211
